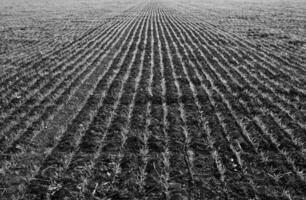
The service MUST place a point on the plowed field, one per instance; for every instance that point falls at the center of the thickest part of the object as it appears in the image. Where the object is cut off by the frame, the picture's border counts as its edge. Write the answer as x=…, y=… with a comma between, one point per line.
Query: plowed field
x=153, y=101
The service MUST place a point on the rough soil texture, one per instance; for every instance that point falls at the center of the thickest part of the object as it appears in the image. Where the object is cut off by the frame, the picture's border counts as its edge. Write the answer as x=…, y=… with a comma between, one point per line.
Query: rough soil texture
x=155, y=99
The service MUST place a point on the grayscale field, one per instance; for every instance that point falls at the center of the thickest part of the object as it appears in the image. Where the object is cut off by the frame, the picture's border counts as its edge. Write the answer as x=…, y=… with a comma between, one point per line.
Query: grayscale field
x=152, y=99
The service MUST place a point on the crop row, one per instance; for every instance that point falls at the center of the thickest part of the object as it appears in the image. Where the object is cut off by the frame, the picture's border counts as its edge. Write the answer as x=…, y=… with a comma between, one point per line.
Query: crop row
x=157, y=104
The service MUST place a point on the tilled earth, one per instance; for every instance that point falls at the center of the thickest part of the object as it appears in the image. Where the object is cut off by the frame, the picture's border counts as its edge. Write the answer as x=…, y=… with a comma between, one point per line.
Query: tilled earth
x=154, y=103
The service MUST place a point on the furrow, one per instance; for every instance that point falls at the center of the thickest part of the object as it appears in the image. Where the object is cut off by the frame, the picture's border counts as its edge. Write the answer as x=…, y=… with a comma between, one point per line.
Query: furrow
x=265, y=53
x=266, y=101
x=29, y=64
x=162, y=165
x=252, y=56
x=47, y=78
x=191, y=65
x=34, y=71
x=30, y=113
x=83, y=143
x=121, y=143
x=202, y=55
x=79, y=103
x=173, y=59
